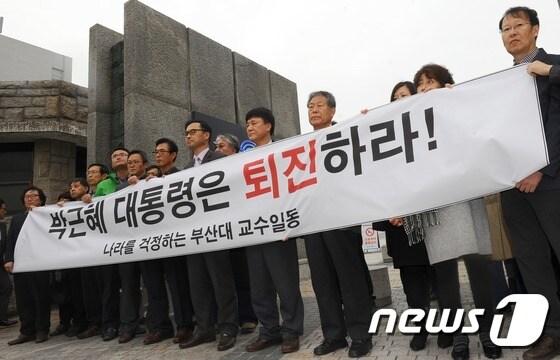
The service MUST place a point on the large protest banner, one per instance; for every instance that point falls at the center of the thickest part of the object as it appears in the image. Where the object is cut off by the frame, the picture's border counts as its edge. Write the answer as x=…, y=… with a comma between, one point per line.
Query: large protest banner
x=419, y=153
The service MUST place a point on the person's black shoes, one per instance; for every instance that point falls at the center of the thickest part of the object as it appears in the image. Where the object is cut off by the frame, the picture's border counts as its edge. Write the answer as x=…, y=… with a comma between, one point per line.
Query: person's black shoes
x=444, y=340
x=109, y=334
x=360, y=348
x=418, y=341
x=41, y=336
x=21, y=339
x=460, y=347
x=225, y=341
x=198, y=339
x=491, y=350
x=328, y=346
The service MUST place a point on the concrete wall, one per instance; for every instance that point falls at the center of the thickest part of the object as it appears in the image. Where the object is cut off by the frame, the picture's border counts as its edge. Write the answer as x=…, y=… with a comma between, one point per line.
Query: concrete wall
x=169, y=72
x=20, y=61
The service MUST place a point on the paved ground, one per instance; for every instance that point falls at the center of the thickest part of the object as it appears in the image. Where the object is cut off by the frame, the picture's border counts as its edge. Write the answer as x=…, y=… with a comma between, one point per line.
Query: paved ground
x=385, y=346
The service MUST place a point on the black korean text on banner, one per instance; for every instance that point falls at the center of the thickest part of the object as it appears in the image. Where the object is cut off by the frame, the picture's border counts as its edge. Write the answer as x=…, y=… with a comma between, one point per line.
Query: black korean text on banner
x=401, y=158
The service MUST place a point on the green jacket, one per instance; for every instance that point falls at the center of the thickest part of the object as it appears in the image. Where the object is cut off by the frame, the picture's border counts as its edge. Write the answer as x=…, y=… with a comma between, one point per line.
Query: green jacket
x=107, y=186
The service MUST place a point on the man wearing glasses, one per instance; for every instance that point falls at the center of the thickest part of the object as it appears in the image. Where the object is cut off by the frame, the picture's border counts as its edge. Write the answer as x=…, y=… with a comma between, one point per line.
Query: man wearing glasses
x=165, y=155
x=531, y=209
x=210, y=273
x=104, y=280
x=173, y=270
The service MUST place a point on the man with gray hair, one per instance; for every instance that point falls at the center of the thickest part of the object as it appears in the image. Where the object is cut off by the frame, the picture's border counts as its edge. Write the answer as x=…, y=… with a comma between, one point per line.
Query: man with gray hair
x=227, y=144
x=337, y=265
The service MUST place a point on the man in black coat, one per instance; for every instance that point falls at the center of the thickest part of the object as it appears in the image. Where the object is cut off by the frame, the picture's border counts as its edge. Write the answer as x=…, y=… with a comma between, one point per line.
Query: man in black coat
x=32, y=288
x=336, y=261
x=5, y=282
x=210, y=274
x=531, y=209
x=172, y=270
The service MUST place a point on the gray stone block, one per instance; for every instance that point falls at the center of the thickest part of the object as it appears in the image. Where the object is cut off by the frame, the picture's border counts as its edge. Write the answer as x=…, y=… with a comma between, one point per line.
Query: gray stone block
x=12, y=84
x=7, y=92
x=7, y=102
x=38, y=92
x=34, y=112
x=98, y=137
x=13, y=114
x=211, y=73
x=155, y=55
x=381, y=284
x=147, y=119
x=101, y=39
x=68, y=107
x=252, y=86
x=59, y=173
x=283, y=93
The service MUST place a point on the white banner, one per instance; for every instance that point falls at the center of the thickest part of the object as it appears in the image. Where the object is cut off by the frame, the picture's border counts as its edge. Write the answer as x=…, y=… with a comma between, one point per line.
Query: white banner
x=419, y=153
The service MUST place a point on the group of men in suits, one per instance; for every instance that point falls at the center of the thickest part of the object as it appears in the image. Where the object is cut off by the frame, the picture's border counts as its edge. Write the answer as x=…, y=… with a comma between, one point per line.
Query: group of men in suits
x=211, y=292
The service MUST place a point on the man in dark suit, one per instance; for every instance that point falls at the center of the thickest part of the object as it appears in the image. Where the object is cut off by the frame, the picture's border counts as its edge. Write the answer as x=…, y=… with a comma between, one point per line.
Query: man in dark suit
x=273, y=269
x=5, y=282
x=129, y=272
x=210, y=274
x=32, y=288
x=334, y=260
x=531, y=209
x=172, y=270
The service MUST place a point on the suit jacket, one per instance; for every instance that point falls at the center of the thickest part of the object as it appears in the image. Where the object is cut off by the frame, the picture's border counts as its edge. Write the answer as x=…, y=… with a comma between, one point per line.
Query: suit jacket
x=549, y=99
x=15, y=228
x=3, y=240
x=210, y=156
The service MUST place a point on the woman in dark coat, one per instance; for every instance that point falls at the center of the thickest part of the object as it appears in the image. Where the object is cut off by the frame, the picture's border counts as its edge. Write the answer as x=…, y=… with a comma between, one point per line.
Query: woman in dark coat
x=411, y=259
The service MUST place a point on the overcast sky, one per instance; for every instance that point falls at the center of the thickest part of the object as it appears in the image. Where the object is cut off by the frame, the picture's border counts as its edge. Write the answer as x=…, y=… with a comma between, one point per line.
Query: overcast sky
x=357, y=49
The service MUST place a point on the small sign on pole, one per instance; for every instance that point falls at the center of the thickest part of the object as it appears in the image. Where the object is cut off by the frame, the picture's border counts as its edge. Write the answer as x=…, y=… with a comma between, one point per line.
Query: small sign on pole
x=370, y=239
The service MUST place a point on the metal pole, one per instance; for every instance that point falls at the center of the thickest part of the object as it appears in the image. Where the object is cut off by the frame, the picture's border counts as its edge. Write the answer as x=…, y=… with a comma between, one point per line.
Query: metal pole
x=2, y=22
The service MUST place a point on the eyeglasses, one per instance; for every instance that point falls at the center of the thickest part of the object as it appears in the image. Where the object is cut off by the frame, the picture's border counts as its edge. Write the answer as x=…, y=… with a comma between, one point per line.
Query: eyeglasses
x=192, y=131
x=31, y=196
x=515, y=27
x=121, y=154
x=155, y=152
